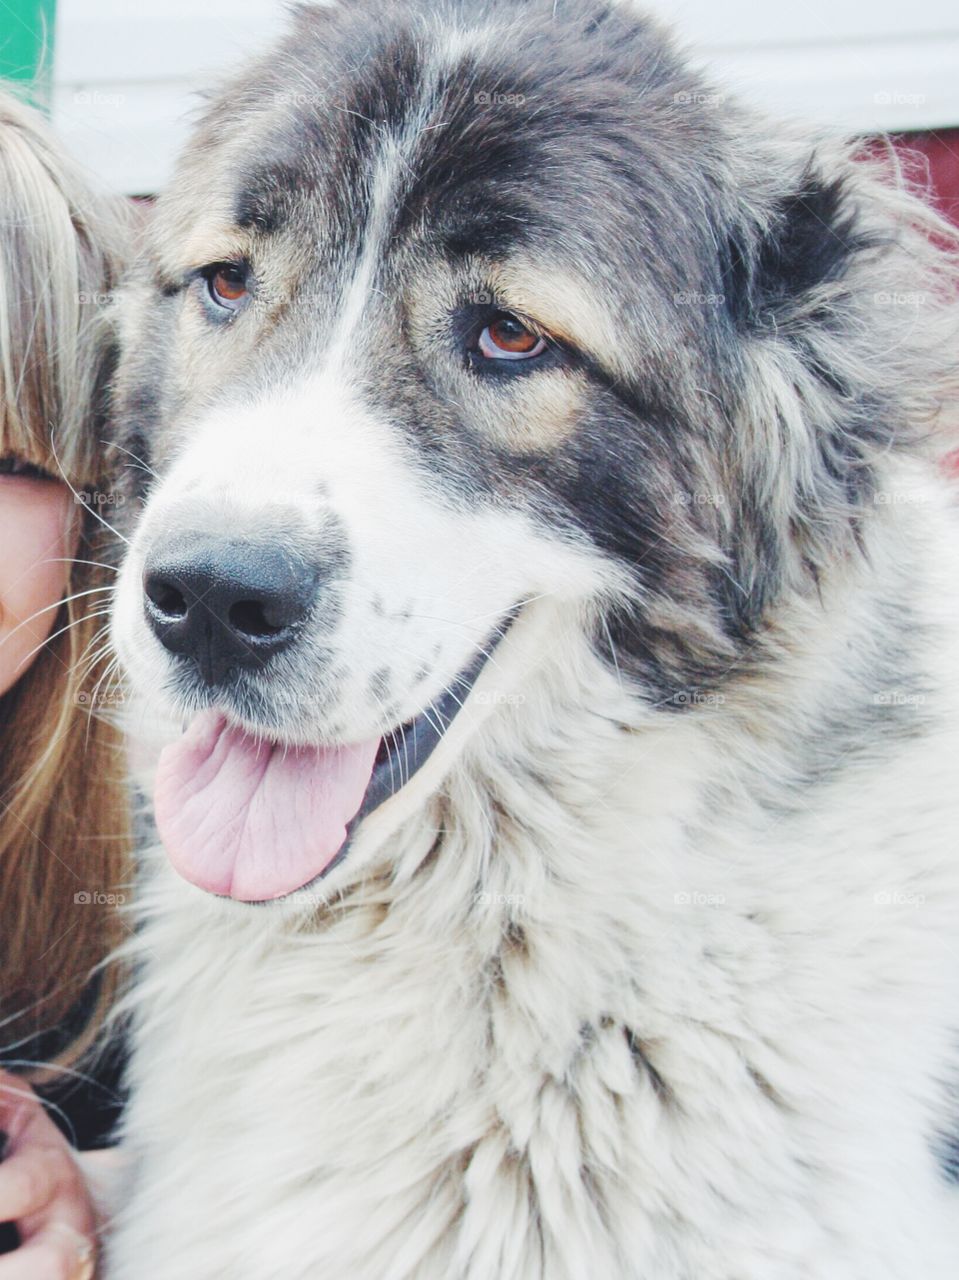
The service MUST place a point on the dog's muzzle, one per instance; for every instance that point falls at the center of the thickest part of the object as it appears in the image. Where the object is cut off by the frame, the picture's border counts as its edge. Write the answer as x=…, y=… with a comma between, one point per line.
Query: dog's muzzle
x=243, y=814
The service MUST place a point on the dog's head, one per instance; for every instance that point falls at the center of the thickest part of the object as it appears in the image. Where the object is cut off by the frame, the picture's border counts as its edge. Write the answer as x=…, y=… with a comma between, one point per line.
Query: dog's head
x=454, y=307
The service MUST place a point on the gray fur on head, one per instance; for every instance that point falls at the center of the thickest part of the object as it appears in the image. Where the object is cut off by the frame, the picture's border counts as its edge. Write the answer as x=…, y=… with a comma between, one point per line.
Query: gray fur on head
x=780, y=308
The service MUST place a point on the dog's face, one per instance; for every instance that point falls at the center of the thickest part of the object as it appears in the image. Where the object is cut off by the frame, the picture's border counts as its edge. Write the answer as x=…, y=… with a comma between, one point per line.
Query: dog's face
x=443, y=314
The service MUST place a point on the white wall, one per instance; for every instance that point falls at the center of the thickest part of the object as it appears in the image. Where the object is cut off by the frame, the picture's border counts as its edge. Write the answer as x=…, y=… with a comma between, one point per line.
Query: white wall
x=125, y=79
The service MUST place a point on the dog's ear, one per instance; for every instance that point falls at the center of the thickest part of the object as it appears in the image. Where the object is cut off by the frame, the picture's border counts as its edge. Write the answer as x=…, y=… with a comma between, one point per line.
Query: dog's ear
x=802, y=247
x=847, y=303
x=843, y=309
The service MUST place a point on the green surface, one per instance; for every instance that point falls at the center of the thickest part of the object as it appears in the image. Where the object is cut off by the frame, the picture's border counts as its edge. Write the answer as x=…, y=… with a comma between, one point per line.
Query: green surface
x=26, y=42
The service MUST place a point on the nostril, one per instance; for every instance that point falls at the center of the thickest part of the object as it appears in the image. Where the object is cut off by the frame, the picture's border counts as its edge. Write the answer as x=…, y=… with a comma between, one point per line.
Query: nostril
x=249, y=618
x=226, y=605
x=168, y=599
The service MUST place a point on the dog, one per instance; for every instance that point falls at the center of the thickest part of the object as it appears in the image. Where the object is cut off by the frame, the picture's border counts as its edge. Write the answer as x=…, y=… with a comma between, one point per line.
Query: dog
x=539, y=622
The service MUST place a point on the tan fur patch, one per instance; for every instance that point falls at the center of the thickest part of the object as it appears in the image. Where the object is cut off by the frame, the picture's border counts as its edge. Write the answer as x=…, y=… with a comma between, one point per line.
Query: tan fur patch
x=531, y=415
x=541, y=413
x=209, y=241
x=562, y=303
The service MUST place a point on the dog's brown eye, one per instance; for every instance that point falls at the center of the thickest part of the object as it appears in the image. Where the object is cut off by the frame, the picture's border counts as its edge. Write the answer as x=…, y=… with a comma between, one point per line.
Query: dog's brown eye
x=507, y=338
x=227, y=285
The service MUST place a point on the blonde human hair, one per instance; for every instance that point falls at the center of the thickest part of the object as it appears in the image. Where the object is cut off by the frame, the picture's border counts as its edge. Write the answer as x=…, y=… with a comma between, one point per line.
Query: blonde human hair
x=64, y=828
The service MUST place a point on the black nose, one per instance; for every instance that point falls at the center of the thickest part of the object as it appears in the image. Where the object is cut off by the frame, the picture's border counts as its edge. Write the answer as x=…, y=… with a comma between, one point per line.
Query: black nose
x=226, y=604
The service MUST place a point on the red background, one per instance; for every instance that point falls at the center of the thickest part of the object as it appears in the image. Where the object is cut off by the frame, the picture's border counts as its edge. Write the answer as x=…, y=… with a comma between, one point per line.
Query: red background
x=941, y=150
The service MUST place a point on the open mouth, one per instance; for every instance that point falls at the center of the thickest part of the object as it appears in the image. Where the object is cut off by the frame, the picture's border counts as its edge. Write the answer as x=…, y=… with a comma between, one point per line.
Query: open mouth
x=404, y=751
x=246, y=818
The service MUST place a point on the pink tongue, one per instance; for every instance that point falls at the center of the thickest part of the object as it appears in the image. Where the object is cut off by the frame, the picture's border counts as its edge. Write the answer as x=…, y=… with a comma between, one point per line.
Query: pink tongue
x=255, y=820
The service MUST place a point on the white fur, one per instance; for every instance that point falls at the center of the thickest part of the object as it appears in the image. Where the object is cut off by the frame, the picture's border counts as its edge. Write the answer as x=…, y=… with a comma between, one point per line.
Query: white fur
x=364, y=1091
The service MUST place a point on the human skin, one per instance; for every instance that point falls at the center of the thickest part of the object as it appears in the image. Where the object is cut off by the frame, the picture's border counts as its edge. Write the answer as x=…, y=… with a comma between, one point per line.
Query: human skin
x=42, y=1190
x=43, y=1186
x=38, y=530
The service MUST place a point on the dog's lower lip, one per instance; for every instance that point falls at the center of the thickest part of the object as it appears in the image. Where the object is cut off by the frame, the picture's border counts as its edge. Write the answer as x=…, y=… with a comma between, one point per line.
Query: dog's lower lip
x=404, y=750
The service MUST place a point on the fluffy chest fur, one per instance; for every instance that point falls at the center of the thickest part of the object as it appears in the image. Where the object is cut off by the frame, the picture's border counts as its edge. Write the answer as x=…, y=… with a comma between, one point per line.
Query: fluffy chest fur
x=644, y=1003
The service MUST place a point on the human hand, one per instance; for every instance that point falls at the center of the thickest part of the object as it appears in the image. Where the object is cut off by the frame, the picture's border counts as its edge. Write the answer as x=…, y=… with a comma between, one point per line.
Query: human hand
x=43, y=1193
